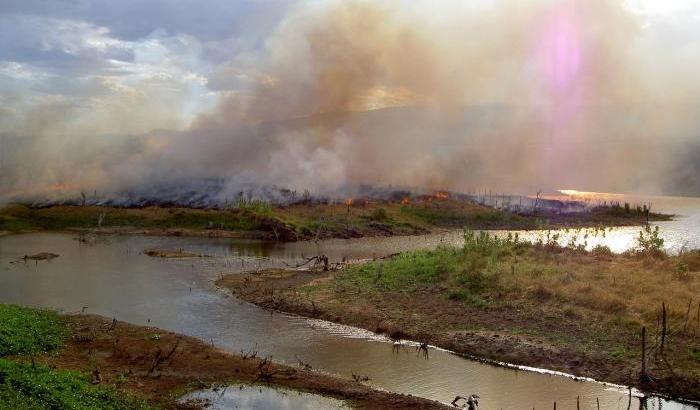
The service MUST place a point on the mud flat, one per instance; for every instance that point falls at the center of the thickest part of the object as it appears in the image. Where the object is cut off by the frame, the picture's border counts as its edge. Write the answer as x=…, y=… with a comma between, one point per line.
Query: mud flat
x=162, y=366
x=172, y=253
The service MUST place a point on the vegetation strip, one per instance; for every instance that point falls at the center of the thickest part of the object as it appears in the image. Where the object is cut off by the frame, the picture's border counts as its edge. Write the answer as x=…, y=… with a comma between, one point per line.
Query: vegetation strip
x=500, y=298
x=303, y=221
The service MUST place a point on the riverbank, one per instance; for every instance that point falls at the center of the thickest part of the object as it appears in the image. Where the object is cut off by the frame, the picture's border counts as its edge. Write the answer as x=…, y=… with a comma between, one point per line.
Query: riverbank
x=311, y=221
x=544, y=306
x=87, y=361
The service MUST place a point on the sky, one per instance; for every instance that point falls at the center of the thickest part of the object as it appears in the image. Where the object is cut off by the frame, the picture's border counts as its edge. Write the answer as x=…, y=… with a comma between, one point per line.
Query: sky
x=486, y=93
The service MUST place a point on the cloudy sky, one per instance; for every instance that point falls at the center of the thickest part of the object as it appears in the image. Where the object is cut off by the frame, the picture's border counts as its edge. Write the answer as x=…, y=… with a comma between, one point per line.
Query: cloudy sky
x=86, y=68
x=124, y=66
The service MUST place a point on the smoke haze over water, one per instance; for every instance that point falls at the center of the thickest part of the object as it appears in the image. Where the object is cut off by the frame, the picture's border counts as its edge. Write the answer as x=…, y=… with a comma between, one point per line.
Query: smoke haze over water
x=508, y=95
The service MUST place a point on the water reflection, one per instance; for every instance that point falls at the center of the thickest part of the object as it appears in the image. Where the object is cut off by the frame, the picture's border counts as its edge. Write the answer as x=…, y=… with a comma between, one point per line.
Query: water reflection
x=262, y=398
x=113, y=278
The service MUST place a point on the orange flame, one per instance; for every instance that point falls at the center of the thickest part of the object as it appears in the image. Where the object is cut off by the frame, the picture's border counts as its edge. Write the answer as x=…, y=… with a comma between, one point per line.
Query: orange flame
x=442, y=195
x=406, y=201
x=349, y=202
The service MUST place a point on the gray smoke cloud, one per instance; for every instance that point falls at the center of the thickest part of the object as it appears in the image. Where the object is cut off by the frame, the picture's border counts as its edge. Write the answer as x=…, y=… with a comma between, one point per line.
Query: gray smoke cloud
x=508, y=95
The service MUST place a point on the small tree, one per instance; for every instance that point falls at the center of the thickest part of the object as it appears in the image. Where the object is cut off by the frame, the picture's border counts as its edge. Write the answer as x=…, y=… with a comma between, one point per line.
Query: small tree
x=649, y=242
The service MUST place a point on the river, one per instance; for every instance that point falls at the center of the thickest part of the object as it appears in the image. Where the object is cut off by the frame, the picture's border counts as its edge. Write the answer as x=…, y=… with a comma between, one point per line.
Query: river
x=112, y=277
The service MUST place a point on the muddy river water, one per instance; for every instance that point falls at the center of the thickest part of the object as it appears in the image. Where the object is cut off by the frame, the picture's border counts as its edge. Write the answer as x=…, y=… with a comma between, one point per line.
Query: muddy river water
x=113, y=278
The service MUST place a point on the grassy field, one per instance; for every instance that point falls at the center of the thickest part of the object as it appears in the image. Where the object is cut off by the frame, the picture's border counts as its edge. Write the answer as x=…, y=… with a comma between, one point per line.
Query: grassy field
x=304, y=221
x=26, y=334
x=534, y=304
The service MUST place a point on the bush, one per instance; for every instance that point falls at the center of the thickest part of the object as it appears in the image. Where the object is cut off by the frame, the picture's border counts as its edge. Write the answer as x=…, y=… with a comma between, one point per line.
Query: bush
x=379, y=215
x=459, y=294
x=682, y=271
x=649, y=242
x=488, y=245
x=29, y=331
x=602, y=250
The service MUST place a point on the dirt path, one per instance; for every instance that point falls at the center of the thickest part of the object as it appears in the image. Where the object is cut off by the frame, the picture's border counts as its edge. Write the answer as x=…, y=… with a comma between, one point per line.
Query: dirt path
x=163, y=365
x=477, y=332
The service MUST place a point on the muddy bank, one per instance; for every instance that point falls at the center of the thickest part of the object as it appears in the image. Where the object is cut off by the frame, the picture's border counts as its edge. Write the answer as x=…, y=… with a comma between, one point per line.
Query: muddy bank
x=193, y=233
x=172, y=253
x=511, y=335
x=162, y=365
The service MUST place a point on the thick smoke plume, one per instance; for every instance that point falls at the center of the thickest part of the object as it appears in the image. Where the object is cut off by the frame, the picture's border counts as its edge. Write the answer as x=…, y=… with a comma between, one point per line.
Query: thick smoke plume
x=507, y=95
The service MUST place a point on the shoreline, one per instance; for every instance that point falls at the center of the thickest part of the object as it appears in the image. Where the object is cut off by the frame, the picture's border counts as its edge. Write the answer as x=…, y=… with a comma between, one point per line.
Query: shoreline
x=283, y=291
x=134, y=360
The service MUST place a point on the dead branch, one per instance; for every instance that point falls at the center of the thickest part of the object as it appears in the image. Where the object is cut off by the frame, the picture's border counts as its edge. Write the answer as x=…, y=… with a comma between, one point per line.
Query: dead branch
x=160, y=359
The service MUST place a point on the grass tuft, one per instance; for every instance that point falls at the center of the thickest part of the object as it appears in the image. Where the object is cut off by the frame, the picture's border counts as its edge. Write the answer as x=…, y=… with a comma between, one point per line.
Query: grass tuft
x=29, y=331
x=27, y=386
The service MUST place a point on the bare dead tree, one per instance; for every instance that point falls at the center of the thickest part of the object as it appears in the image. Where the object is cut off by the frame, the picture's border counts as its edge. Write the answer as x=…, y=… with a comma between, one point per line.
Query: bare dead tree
x=113, y=325
x=663, y=327
x=687, y=316
x=160, y=358
x=644, y=351
x=537, y=201
x=423, y=350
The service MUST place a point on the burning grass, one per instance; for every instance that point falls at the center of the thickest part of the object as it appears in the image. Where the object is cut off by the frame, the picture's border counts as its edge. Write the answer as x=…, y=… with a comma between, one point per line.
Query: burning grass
x=306, y=219
x=533, y=304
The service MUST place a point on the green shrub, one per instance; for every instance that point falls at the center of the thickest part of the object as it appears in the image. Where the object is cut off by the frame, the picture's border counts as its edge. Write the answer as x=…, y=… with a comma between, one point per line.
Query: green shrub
x=25, y=330
x=682, y=271
x=649, y=242
x=602, y=250
x=379, y=215
x=490, y=246
x=458, y=294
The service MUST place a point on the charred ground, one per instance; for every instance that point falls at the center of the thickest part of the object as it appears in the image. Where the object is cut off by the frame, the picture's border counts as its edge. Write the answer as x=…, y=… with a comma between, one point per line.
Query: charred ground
x=317, y=219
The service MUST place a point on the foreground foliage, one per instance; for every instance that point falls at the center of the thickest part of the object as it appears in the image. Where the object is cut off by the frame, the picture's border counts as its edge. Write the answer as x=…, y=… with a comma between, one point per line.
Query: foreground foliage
x=26, y=333
x=29, y=331
x=27, y=386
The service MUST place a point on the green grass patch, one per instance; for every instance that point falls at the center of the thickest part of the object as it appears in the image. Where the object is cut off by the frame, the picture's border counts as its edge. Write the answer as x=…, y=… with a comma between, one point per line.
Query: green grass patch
x=29, y=331
x=404, y=272
x=467, y=271
x=621, y=352
x=23, y=386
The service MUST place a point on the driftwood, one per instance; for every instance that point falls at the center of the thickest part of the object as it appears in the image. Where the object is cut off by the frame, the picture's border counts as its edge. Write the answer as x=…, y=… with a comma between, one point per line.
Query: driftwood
x=42, y=256
x=316, y=259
